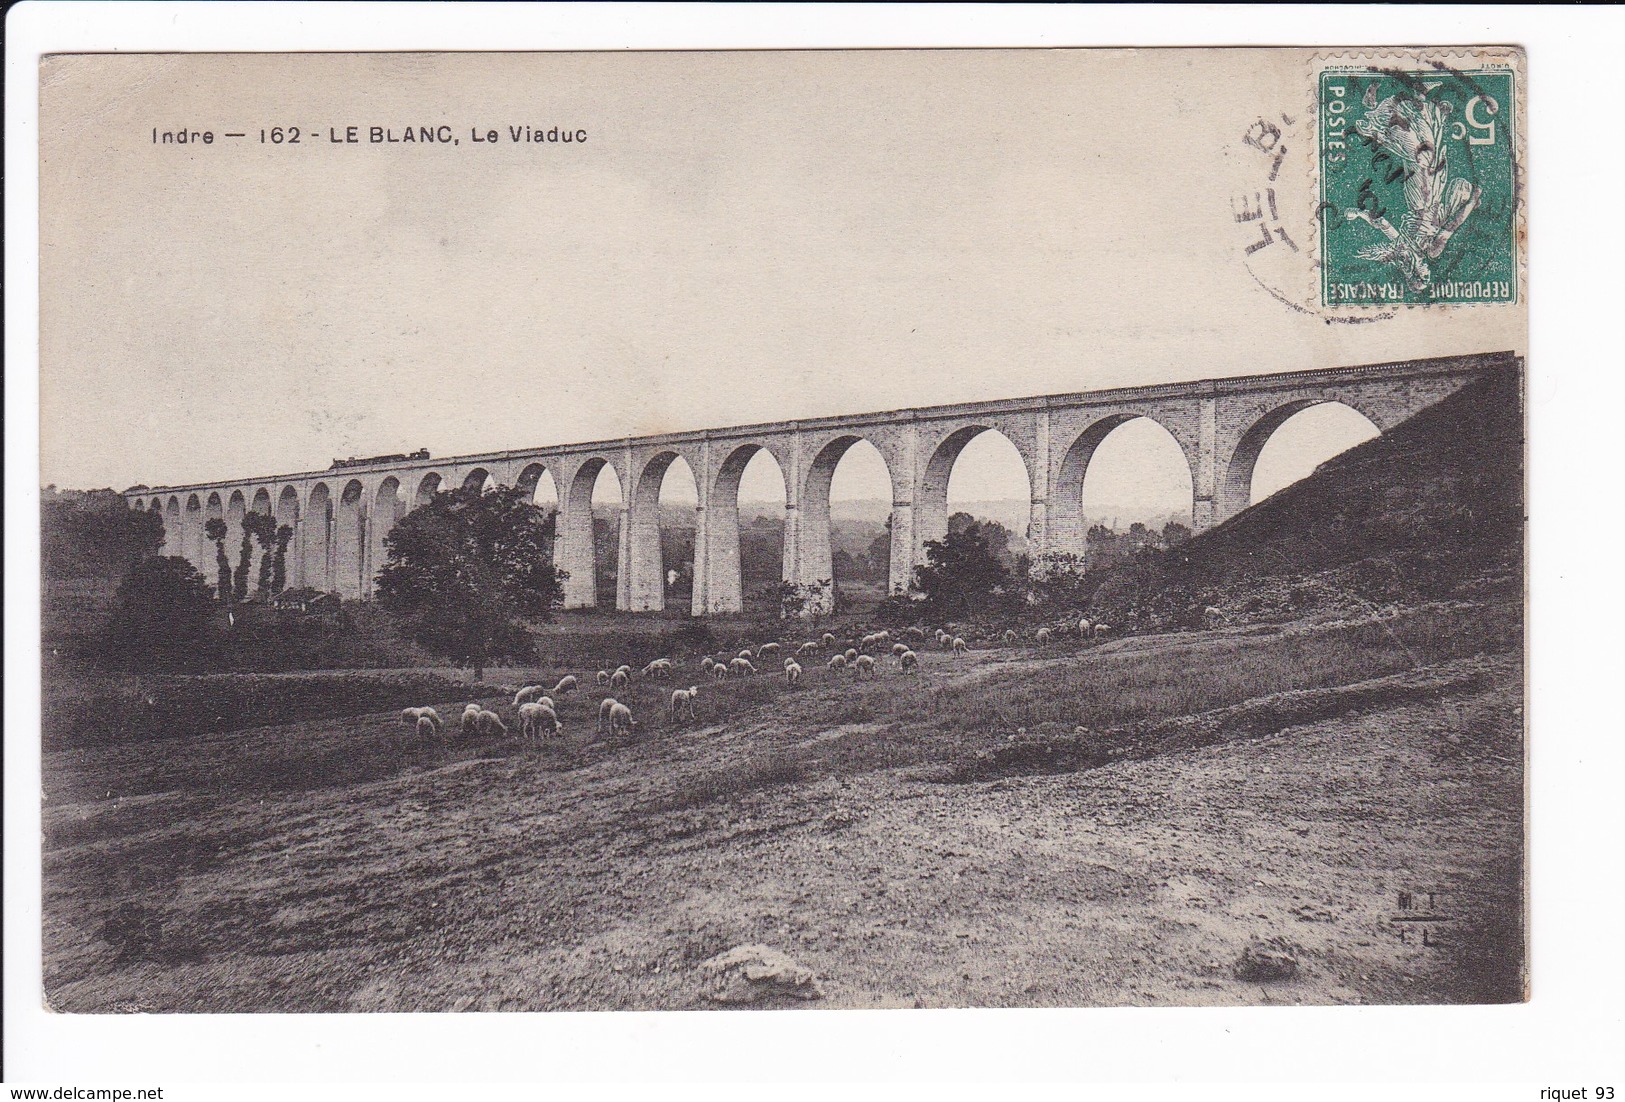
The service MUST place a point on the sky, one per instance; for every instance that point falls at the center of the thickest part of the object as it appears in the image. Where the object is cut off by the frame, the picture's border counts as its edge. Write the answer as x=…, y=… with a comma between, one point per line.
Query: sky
x=741, y=237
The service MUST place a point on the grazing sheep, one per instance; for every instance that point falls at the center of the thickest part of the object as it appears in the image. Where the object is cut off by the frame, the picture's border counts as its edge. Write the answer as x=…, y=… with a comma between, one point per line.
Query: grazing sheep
x=864, y=665
x=471, y=718
x=792, y=671
x=603, y=677
x=682, y=702
x=767, y=650
x=805, y=649
x=1044, y=635
x=828, y=640
x=741, y=667
x=838, y=662
x=916, y=633
x=536, y=721
x=527, y=694
x=620, y=719
x=1084, y=627
x=718, y=671
x=490, y=724
x=897, y=649
x=567, y=685
x=658, y=670
x=868, y=641
x=883, y=636
x=909, y=661
x=707, y=663
x=1212, y=616
x=851, y=655
x=605, y=707
x=1009, y=636
x=425, y=728
x=412, y=716
x=959, y=646
x=620, y=679
x=745, y=654
x=1101, y=630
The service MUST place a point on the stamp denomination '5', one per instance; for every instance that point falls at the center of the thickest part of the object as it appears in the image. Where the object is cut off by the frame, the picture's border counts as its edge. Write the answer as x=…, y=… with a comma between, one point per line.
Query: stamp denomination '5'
x=1418, y=195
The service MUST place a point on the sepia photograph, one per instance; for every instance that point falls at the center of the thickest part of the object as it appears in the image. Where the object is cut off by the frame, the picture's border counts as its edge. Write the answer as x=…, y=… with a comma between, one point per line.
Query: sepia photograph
x=828, y=529
x=834, y=529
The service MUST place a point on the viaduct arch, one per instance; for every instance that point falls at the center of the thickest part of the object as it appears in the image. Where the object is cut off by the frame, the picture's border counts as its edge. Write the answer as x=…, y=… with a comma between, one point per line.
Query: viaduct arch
x=341, y=517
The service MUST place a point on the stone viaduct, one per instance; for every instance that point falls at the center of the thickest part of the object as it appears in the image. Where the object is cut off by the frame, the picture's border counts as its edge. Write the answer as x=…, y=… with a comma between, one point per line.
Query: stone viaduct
x=340, y=516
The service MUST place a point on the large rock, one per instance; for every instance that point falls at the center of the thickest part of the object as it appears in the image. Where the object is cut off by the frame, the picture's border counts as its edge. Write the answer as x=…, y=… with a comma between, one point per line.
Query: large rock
x=1266, y=961
x=750, y=973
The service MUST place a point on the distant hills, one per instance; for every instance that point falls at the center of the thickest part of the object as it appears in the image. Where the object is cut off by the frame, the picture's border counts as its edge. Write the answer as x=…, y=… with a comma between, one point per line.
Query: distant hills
x=1013, y=513
x=872, y=513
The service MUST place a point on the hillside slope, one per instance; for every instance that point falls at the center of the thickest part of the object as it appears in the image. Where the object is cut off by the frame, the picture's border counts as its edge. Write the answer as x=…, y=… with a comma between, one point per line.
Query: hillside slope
x=1431, y=509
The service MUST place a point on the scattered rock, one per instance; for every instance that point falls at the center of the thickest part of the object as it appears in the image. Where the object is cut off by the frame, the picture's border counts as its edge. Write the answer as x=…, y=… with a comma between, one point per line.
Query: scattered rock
x=1309, y=912
x=750, y=973
x=463, y=1003
x=1265, y=961
x=839, y=819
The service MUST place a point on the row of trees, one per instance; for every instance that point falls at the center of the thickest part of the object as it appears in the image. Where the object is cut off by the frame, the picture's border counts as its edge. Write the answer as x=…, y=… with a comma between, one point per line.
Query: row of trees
x=87, y=534
x=231, y=586
x=468, y=572
x=972, y=570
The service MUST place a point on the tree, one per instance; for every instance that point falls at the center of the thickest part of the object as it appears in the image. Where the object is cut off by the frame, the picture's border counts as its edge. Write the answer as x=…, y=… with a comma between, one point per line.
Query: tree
x=215, y=529
x=279, y=568
x=995, y=535
x=1058, y=580
x=879, y=554
x=94, y=534
x=261, y=527
x=467, y=569
x=1175, y=533
x=161, y=611
x=961, y=573
x=606, y=554
x=761, y=549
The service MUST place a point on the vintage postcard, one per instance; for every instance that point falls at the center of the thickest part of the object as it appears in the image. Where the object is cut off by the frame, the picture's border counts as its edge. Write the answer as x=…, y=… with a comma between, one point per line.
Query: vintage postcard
x=819, y=529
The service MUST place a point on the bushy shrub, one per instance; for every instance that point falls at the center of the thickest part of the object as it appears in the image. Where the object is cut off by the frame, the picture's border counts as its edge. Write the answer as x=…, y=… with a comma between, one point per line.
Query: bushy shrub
x=160, y=617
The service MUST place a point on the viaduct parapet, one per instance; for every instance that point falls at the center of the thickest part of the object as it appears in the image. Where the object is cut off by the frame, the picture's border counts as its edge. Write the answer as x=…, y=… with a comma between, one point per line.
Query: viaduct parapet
x=340, y=517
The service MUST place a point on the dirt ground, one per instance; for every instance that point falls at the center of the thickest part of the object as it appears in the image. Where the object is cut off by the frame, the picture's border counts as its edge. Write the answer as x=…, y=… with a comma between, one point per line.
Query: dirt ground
x=214, y=875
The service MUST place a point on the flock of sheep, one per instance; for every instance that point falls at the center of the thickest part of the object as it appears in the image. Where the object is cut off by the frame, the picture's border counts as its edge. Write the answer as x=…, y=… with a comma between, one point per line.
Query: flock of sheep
x=537, y=712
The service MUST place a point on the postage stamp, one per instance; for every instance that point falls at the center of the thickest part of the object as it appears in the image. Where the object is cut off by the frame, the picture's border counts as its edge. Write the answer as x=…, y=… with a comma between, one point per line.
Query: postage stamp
x=1418, y=184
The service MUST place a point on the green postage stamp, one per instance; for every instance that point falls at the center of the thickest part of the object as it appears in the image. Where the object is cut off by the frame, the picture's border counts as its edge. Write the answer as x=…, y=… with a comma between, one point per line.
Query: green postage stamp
x=1419, y=185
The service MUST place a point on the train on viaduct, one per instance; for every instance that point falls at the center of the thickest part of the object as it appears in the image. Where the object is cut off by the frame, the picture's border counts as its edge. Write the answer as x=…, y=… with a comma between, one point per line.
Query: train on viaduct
x=341, y=516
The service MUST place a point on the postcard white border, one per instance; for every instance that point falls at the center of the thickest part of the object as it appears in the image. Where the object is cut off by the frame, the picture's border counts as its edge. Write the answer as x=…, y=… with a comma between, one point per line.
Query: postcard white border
x=1568, y=1034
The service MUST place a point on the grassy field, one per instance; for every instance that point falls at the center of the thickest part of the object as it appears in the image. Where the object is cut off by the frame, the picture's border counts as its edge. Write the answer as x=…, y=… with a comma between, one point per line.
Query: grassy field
x=328, y=860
